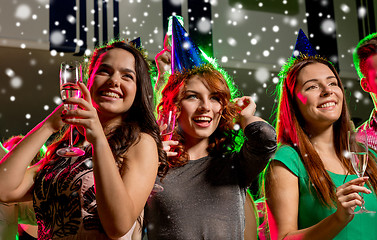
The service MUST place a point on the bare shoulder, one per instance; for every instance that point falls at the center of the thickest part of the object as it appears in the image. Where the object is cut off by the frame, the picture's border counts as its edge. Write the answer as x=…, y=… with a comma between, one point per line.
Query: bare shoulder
x=146, y=147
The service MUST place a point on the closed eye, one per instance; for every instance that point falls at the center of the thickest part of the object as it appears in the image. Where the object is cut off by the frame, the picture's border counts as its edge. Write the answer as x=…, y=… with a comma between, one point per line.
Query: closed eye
x=129, y=76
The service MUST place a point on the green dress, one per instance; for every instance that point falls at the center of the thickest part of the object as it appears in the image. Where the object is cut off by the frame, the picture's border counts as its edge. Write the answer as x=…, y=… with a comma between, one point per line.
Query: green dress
x=311, y=211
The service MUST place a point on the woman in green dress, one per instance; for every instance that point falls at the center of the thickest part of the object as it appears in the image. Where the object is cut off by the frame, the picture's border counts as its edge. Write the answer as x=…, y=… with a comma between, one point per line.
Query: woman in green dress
x=311, y=189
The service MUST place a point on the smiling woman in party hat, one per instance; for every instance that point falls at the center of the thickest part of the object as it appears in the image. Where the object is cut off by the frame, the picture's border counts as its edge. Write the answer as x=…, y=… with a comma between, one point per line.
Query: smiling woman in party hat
x=311, y=188
x=204, y=191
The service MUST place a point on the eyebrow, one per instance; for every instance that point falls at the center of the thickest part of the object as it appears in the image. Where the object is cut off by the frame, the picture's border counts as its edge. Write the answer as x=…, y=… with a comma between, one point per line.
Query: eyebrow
x=122, y=69
x=316, y=80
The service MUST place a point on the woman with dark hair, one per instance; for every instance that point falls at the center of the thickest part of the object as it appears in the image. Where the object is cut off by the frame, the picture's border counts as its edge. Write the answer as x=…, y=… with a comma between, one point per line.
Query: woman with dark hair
x=204, y=191
x=311, y=187
x=117, y=129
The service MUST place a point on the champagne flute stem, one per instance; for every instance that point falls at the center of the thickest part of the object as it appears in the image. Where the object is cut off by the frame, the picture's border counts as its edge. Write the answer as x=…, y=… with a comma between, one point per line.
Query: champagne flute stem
x=70, y=136
x=363, y=204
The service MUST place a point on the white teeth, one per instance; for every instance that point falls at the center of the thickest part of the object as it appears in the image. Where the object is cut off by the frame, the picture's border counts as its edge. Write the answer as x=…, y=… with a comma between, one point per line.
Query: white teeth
x=110, y=94
x=326, y=105
x=202, y=119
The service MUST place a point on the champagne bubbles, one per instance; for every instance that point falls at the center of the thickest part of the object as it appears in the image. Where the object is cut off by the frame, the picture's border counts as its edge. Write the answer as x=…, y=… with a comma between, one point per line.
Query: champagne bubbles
x=23, y=12
x=16, y=82
x=57, y=38
x=204, y=25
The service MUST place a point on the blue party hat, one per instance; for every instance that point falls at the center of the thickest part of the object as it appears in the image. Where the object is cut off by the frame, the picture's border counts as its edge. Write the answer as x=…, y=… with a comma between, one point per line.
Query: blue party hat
x=136, y=42
x=185, y=53
x=303, y=46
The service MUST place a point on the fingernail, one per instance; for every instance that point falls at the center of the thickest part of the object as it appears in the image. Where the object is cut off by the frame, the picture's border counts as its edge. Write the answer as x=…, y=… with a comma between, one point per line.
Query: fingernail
x=369, y=191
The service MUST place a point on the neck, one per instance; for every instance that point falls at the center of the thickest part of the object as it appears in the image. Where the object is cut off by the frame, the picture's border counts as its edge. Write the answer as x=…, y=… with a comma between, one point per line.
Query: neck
x=109, y=123
x=323, y=139
x=196, y=148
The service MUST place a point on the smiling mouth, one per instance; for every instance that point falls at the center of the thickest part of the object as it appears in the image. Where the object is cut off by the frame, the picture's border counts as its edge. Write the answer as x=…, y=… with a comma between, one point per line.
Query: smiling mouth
x=110, y=94
x=202, y=119
x=326, y=105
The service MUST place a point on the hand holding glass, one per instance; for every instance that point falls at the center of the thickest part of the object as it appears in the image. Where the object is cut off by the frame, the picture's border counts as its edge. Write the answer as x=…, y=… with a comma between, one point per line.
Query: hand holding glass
x=167, y=119
x=70, y=76
x=358, y=154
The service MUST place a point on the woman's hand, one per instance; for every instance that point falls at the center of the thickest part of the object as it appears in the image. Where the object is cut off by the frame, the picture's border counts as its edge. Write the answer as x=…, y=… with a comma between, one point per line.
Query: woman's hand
x=247, y=110
x=348, y=198
x=85, y=115
x=167, y=144
x=163, y=62
x=167, y=147
x=54, y=121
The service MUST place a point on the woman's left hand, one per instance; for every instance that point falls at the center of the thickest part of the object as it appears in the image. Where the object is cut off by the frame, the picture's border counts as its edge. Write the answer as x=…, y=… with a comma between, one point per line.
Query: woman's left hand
x=85, y=115
x=247, y=110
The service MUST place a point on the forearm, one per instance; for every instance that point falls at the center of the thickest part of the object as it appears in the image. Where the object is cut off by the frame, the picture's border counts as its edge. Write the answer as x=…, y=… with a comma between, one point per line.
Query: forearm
x=114, y=204
x=13, y=166
x=328, y=228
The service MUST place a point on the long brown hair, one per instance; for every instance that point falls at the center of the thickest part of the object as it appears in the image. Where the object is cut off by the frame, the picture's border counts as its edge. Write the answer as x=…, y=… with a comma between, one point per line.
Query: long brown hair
x=139, y=117
x=290, y=131
x=223, y=139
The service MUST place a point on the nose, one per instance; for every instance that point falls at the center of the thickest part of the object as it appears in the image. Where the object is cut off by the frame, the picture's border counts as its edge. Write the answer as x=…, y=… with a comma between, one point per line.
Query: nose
x=326, y=91
x=113, y=81
x=204, y=105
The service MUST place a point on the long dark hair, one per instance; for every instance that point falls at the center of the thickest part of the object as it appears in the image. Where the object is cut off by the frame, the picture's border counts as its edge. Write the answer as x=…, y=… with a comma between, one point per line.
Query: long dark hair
x=224, y=138
x=290, y=131
x=139, y=117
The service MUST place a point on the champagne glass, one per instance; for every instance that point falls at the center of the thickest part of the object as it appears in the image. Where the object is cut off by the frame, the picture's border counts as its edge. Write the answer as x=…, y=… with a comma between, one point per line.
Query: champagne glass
x=70, y=76
x=166, y=134
x=358, y=154
x=167, y=119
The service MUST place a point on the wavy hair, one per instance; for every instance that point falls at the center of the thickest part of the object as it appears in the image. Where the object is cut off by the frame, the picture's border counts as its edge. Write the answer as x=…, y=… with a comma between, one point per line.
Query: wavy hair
x=290, y=128
x=223, y=140
x=139, y=117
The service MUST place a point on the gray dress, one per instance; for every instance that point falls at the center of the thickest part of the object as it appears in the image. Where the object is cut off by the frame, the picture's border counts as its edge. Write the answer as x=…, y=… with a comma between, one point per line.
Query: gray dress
x=204, y=199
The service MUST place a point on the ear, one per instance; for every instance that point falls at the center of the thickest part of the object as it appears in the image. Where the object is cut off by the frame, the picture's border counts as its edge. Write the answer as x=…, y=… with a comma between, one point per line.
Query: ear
x=364, y=85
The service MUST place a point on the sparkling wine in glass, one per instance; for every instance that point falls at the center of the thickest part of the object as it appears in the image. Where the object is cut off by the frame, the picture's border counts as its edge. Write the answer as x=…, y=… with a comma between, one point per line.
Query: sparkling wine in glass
x=70, y=76
x=358, y=146
x=168, y=119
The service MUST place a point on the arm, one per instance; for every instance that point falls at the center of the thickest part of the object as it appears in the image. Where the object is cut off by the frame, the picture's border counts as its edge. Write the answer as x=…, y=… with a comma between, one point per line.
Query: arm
x=283, y=200
x=260, y=141
x=16, y=179
x=163, y=62
x=120, y=197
